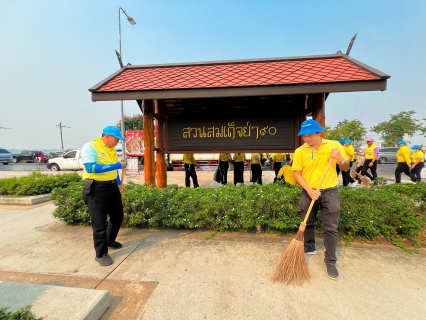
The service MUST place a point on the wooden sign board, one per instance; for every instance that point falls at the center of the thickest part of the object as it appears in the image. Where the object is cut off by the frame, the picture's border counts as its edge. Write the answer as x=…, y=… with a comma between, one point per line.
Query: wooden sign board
x=227, y=134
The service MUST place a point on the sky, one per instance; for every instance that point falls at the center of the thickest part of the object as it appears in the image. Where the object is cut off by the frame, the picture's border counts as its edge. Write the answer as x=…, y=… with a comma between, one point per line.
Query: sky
x=53, y=51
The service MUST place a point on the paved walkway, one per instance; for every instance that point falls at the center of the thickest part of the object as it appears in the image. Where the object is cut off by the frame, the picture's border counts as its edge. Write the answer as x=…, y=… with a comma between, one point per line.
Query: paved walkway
x=170, y=274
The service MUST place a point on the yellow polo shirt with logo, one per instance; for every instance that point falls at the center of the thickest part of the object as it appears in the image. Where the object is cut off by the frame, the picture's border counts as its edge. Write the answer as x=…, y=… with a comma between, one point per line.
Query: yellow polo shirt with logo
x=287, y=172
x=278, y=157
x=188, y=158
x=403, y=155
x=350, y=151
x=224, y=157
x=369, y=151
x=239, y=157
x=105, y=155
x=312, y=163
x=419, y=154
x=255, y=158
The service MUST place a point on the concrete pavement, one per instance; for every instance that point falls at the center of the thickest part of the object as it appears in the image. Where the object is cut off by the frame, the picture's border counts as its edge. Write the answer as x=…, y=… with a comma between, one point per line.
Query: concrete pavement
x=172, y=274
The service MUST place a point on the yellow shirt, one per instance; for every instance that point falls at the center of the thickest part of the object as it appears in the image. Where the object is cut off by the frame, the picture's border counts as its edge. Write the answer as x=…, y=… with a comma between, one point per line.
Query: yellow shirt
x=369, y=151
x=278, y=157
x=287, y=172
x=105, y=155
x=255, y=158
x=350, y=151
x=403, y=155
x=312, y=163
x=225, y=157
x=239, y=157
x=188, y=158
x=418, y=155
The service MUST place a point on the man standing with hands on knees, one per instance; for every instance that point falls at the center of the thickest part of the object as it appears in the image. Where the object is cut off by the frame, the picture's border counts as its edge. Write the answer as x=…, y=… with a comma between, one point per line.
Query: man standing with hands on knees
x=309, y=164
x=101, y=191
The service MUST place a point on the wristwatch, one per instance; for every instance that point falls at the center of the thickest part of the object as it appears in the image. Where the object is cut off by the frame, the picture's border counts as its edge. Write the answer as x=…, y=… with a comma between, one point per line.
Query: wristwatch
x=343, y=162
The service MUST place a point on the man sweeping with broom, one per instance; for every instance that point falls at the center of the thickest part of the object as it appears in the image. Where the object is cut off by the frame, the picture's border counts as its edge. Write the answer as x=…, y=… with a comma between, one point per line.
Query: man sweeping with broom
x=311, y=163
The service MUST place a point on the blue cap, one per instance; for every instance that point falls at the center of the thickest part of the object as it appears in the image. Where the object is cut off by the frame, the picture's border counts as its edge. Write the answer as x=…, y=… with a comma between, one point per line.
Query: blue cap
x=341, y=141
x=283, y=163
x=400, y=143
x=348, y=141
x=310, y=126
x=416, y=146
x=113, y=131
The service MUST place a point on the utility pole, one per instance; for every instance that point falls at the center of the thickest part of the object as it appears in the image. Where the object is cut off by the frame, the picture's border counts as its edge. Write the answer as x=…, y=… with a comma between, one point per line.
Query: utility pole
x=60, y=125
x=4, y=128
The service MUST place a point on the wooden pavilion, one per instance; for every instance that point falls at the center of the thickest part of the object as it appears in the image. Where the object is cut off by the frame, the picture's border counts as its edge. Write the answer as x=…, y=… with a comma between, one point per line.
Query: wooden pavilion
x=232, y=106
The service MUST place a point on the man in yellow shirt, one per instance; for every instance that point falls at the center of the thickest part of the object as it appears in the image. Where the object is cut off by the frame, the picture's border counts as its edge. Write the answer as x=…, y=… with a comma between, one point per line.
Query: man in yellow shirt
x=286, y=174
x=371, y=154
x=277, y=158
x=256, y=168
x=309, y=164
x=418, y=162
x=239, y=162
x=224, y=166
x=403, y=162
x=189, y=165
x=350, y=151
x=101, y=191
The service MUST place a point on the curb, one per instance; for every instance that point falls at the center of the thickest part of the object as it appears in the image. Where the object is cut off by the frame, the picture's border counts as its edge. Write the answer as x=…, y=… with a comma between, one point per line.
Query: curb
x=54, y=302
x=26, y=200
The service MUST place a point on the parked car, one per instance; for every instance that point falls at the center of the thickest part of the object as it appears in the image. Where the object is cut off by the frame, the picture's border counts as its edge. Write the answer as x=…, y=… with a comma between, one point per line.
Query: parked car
x=71, y=160
x=387, y=155
x=25, y=155
x=5, y=156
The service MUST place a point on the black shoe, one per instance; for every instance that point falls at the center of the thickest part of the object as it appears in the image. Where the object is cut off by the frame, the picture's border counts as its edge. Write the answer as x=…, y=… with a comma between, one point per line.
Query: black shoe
x=115, y=245
x=332, y=272
x=105, y=260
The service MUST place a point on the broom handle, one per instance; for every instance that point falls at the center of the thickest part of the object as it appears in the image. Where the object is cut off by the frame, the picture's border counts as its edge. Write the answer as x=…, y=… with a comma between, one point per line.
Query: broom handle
x=319, y=187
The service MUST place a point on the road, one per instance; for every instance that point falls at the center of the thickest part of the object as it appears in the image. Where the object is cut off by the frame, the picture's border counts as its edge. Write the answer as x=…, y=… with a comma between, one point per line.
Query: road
x=384, y=170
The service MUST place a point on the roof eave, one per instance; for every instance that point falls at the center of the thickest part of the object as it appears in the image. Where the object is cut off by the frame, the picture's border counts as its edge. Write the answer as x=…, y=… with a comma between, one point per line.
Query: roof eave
x=354, y=86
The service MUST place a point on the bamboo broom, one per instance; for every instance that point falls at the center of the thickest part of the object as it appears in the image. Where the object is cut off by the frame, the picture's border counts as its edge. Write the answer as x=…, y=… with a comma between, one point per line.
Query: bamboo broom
x=365, y=180
x=292, y=268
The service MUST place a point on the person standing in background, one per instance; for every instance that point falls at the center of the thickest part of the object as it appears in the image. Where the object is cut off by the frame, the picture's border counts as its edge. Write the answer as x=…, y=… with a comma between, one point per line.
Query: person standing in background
x=346, y=176
x=403, y=162
x=224, y=159
x=239, y=161
x=277, y=158
x=418, y=162
x=189, y=165
x=371, y=154
x=102, y=189
x=256, y=168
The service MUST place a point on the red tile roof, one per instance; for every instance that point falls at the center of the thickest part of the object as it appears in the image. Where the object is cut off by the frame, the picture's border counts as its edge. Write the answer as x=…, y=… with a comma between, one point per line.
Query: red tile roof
x=325, y=69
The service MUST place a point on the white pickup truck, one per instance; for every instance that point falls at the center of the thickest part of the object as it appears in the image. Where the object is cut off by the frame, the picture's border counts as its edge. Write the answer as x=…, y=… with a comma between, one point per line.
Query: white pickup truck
x=71, y=160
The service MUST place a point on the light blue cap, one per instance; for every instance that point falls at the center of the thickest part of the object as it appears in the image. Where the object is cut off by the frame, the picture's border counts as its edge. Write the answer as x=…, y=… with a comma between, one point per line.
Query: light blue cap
x=400, y=143
x=416, y=146
x=348, y=141
x=113, y=131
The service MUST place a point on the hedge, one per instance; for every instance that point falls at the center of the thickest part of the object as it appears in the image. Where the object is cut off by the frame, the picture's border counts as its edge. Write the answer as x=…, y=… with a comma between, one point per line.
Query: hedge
x=392, y=211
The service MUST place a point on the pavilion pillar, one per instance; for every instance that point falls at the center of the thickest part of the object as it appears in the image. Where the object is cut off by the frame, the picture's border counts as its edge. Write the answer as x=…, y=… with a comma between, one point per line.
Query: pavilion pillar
x=148, y=140
x=160, y=157
x=318, y=113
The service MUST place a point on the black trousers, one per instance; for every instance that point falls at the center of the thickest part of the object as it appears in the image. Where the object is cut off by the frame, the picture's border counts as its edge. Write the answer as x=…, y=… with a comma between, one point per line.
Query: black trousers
x=329, y=205
x=256, y=173
x=417, y=171
x=403, y=167
x=346, y=176
x=223, y=166
x=277, y=167
x=190, y=172
x=104, y=200
x=373, y=169
x=238, y=172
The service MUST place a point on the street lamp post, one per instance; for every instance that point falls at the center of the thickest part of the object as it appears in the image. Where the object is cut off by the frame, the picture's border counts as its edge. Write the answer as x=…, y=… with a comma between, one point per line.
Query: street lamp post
x=132, y=22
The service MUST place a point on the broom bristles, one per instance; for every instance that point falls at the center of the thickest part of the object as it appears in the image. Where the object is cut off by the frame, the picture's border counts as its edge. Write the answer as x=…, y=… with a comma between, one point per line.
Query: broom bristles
x=292, y=268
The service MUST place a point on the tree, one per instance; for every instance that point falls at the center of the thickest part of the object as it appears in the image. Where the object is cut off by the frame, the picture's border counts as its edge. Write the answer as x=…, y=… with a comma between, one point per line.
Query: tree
x=397, y=127
x=134, y=122
x=345, y=129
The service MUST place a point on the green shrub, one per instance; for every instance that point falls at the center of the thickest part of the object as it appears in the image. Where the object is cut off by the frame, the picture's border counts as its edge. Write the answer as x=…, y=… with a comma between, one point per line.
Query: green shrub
x=22, y=314
x=36, y=183
x=392, y=211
